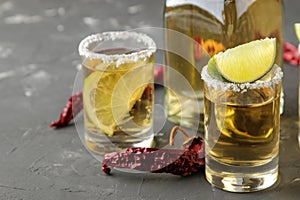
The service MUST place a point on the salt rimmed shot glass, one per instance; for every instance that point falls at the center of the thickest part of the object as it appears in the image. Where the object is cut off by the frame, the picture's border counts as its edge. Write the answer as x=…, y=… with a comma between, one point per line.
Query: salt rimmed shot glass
x=118, y=90
x=242, y=126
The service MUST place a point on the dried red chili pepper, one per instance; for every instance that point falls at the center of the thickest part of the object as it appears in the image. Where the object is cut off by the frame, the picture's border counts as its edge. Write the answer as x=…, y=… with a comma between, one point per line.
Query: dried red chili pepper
x=72, y=108
x=158, y=74
x=197, y=48
x=175, y=161
x=290, y=54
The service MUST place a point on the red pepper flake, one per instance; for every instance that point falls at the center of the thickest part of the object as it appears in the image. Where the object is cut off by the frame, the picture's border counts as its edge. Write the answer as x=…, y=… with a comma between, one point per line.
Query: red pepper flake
x=290, y=54
x=72, y=108
x=174, y=161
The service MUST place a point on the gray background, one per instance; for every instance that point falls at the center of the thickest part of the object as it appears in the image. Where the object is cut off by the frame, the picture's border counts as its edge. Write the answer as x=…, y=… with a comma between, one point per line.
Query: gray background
x=38, y=65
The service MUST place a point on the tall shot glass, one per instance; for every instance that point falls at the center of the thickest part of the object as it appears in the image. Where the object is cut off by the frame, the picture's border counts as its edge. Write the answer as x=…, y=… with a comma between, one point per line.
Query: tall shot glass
x=242, y=126
x=118, y=90
x=297, y=31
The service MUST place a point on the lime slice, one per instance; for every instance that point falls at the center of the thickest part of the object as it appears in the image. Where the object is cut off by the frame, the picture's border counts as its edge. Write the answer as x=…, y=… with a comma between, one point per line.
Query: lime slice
x=213, y=71
x=247, y=62
x=297, y=30
x=109, y=96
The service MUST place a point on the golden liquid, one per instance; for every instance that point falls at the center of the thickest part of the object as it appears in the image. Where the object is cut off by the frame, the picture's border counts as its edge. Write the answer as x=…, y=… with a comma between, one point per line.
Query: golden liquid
x=226, y=28
x=136, y=125
x=243, y=135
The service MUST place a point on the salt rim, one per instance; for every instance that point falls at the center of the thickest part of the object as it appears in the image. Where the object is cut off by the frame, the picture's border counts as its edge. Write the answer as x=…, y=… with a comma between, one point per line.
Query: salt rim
x=276, y=71
x=120, y=58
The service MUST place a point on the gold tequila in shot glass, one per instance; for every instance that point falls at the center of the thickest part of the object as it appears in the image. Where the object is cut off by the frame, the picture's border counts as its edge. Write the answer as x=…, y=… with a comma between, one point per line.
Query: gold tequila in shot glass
x=242, y=126
x=118, y=90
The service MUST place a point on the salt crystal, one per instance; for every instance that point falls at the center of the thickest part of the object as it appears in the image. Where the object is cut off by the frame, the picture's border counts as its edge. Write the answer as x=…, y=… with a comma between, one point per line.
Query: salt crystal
x=121, y=58
x=276, y=76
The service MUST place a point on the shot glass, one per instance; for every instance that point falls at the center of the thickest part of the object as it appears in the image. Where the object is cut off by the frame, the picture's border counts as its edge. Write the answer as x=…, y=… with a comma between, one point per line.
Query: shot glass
x=297, y=27
x=118, y=90
x=299, y=90
x=242, y=127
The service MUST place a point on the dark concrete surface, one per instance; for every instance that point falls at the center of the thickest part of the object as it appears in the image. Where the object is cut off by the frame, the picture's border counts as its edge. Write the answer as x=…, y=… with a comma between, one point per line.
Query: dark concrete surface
x=38, y=65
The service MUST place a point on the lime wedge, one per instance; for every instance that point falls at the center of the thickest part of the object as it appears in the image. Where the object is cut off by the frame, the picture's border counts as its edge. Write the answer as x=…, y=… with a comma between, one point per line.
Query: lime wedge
x=247, y=62
x=109, y=96
x=297, y=30
x=213, y=71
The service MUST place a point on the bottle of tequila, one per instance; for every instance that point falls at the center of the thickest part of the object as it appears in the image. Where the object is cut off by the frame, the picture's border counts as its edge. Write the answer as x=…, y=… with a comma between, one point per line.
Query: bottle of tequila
x=210, y=26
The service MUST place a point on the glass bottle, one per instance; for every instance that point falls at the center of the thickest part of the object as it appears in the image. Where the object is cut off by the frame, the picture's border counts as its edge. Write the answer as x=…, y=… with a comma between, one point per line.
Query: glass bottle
x=211, y=26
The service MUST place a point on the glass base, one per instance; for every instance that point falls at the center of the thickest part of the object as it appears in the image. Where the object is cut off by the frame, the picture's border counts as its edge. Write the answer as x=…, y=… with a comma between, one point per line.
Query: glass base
x=241, y=178
x=101, y=144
